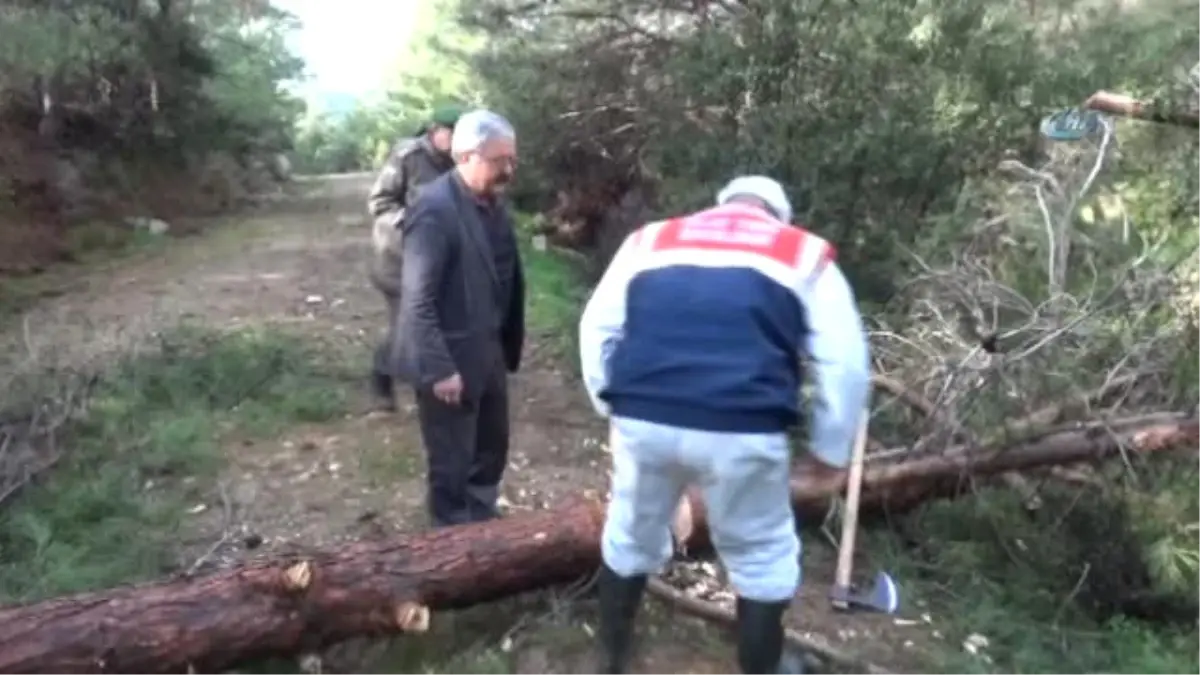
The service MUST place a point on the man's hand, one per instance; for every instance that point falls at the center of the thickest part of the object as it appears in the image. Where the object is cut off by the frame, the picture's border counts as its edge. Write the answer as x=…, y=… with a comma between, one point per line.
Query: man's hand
x=449, y=390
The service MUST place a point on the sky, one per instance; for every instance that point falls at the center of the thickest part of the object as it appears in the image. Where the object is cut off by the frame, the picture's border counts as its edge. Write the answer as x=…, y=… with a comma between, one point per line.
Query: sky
x=349, y=45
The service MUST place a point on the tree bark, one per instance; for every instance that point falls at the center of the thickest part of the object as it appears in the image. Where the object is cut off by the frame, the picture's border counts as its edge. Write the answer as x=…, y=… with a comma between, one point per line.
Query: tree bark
x=292, y=605
x=901, y=483
x=1127, y=106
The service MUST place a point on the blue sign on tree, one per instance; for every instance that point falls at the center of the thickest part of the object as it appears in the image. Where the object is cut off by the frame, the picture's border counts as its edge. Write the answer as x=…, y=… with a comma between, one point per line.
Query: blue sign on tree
x=1071, y=125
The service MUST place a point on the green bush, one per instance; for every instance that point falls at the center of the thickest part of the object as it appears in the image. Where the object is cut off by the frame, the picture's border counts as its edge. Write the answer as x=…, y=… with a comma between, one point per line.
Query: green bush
x=147, y=448
x=906, y=133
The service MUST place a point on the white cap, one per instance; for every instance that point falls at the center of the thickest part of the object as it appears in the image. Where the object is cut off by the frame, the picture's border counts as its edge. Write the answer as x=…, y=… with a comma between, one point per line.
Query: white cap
x=759, y=187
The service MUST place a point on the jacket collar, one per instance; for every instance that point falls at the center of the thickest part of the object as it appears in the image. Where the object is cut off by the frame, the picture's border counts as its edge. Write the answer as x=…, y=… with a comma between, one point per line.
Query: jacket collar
x=471, y=222
x=436, y=156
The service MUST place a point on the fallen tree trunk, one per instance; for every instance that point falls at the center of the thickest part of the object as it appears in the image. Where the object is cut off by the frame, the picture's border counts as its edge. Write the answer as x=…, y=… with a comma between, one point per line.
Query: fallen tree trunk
x=899, y=484
x=293, y=605
x=1127, y=106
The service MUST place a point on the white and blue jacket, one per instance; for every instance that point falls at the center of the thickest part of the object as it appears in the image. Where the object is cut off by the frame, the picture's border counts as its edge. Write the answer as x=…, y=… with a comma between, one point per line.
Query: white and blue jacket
x=699, y=322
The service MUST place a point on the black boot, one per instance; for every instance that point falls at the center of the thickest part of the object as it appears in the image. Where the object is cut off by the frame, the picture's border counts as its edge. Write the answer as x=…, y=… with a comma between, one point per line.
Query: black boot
x=383, y=392
x=760, y=638
x=619, y=600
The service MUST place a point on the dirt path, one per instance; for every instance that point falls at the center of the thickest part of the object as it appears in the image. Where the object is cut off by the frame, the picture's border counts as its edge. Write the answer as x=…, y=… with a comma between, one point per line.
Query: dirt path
x=304, y=270
x=360, y=476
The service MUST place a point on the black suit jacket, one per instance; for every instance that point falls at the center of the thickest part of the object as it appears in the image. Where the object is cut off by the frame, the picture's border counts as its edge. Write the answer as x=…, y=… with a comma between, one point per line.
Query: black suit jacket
x=451, y=316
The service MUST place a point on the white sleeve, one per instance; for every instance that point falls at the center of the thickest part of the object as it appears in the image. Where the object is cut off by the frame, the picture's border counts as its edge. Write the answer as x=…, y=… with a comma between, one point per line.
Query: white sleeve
x=603, y=323
x=840, y=368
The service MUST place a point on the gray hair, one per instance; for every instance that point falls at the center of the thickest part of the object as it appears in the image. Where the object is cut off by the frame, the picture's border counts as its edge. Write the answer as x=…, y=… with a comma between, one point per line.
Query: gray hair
x=476, y=128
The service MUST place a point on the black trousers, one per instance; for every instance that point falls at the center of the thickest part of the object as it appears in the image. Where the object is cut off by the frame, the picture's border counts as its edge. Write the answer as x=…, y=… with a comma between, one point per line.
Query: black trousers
x=466, y=448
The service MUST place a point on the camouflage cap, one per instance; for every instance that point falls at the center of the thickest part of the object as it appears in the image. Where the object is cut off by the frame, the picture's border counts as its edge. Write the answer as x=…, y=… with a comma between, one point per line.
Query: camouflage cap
x=446, y=115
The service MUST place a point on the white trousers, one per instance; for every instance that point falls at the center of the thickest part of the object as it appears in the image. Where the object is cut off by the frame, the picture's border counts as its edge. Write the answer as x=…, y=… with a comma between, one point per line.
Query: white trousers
x=744, y=480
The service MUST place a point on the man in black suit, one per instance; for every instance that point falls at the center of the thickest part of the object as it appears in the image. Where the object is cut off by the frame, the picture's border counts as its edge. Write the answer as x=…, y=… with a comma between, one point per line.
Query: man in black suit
x=461, y=321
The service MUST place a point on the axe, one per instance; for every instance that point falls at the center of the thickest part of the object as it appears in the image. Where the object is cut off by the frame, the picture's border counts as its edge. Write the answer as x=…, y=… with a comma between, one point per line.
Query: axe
x=883, y=596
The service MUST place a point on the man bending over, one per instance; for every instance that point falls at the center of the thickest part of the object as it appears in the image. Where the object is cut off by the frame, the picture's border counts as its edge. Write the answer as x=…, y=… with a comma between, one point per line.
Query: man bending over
x=692, y=343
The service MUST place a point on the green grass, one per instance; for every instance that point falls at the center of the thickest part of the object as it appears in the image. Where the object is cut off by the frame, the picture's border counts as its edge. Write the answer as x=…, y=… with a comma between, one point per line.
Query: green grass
x=383, y=465
x=147, y=448
x=1050, y=591
x=555, y=295
x=543, y=632
x=491, y=638
x=87, y=246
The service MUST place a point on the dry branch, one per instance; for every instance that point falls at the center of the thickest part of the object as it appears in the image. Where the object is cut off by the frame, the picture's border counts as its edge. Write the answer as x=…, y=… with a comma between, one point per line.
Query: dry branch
x=28, y=444
x=901, y=483
x=293, y=605
x=1051, y=414
x=1016, y=481
x=1127, y=106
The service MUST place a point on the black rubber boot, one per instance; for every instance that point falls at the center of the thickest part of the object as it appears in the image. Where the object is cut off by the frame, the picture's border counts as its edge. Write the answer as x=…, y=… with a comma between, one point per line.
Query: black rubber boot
x=382, y=391
x=760, y=638
x=619, y=601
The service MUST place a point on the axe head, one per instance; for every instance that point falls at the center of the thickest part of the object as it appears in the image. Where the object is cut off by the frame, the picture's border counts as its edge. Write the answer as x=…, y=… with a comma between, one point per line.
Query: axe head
x=883, y=596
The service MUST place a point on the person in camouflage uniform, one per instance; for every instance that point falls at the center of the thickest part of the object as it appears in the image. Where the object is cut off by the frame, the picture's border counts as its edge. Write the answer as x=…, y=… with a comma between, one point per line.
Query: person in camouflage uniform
x=412, y=164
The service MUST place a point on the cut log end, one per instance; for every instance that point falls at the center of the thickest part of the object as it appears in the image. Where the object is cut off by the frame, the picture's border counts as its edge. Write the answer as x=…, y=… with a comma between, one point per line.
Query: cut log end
x=412, y=617
x=690, y=524
x=298, y=577
x=685, y=523
x=311, y=663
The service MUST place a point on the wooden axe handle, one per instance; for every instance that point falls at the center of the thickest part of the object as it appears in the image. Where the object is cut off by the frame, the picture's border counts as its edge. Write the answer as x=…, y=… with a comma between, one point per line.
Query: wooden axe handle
x=845, y=561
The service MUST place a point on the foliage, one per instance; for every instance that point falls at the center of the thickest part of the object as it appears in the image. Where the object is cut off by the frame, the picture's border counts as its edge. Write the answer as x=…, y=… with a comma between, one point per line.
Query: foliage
x=875, y=123
x=1003, y=281
x=555, y=295
x=110, y=107
x=351, y=142
x=360, y=138
x=1061, y=590
x=1047, y=295
x=147, y=449
x=167, y=76
x=430, y=70
x=252, y=61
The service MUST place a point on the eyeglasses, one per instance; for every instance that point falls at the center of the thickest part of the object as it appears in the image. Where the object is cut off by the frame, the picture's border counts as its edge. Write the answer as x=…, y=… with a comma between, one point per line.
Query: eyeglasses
x=503, y=161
